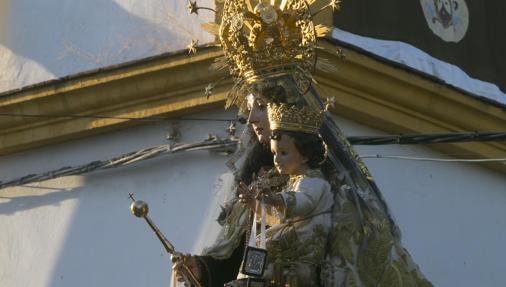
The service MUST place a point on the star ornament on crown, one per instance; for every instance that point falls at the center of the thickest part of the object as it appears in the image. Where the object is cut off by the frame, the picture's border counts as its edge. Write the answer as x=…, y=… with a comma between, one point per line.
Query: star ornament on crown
x=267, y=39
x=291, y=118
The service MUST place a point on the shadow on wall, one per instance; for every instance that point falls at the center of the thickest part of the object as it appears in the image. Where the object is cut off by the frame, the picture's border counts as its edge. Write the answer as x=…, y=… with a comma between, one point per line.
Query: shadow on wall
x=18, y=203
x=67, y=37
x=107, y=246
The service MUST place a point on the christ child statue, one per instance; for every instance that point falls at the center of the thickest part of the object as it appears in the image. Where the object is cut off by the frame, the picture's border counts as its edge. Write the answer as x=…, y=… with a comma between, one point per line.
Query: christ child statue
x=299, y=214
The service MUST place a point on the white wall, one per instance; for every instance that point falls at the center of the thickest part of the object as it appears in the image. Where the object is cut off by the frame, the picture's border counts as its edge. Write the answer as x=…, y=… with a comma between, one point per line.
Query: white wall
x=46, y=39
x=78, y=231
x=452, y=215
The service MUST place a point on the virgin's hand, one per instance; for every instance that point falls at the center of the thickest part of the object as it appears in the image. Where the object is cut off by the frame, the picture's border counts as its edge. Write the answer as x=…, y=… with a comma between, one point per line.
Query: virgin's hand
x=192, y=263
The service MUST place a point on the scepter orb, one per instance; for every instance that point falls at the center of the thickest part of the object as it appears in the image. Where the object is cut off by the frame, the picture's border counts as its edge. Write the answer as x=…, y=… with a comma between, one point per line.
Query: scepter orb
x=139, y=208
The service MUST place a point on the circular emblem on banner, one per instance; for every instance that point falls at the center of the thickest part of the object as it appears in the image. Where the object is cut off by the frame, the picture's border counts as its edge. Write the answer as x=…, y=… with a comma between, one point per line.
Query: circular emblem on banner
x=448, y=19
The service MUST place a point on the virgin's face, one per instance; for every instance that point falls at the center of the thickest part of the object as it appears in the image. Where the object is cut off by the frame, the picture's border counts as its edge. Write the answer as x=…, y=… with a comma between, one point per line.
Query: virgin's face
x=287, y=158
x=258, y=119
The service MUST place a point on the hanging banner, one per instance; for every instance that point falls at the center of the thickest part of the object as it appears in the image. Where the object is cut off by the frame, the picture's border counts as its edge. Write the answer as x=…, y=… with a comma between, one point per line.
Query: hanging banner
x=465, y=33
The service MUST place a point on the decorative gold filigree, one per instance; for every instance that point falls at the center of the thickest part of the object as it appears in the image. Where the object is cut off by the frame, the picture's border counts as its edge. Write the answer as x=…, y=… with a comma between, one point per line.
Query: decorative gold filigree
x=265, y=39
x=269, y=39
x=335, y=4
x=209, y=90
x=291, y=118
x=330, y=102
x=192, y=47
x=192, y=7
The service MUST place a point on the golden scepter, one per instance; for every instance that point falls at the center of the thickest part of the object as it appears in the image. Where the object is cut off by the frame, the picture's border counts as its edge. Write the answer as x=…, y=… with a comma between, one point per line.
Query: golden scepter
x=140, y=208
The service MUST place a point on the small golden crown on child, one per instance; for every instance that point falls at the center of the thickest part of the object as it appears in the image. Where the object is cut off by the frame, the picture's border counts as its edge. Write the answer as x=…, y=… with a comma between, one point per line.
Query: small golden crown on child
x=291, y=118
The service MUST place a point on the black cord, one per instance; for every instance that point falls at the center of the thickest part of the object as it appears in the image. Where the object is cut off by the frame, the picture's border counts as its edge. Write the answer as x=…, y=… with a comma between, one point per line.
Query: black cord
x=428, y=138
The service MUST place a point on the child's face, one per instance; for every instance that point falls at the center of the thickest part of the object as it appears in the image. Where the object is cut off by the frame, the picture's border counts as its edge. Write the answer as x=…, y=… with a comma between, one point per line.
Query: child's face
x=287, y=158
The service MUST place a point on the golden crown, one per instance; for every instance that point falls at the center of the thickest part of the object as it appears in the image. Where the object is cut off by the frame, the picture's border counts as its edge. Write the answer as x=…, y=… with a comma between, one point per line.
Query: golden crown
x=291, y=118
x=266, y=39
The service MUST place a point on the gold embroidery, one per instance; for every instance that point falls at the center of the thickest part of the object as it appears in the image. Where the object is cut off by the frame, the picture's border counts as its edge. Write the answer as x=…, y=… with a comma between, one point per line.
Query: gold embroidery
x=288, y=247
x=345, y=231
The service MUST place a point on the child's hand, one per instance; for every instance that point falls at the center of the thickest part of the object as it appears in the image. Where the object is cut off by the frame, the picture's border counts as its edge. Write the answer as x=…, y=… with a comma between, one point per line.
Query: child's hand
x=247, y=195
x=274, y=199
